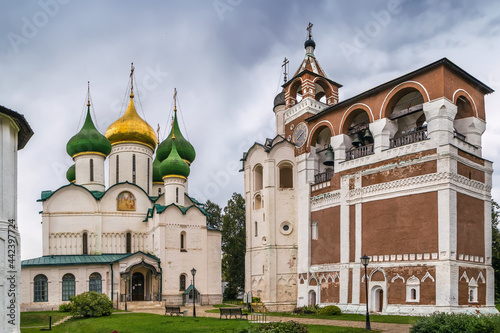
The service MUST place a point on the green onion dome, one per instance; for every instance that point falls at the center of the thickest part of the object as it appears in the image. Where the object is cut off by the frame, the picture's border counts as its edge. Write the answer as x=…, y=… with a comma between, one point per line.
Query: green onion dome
x=156, y=171
x=184, y=148
x=70, y=174
x=174, y=165
x=88, y=140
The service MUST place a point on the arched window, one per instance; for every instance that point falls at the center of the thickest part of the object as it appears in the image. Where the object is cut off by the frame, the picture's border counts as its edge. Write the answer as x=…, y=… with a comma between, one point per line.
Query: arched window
x=41, y=290
x=176, y=195
x=473, y=291
x=258, y=204
x=117, y=169
x=257, y=175
x=129, y=242
x=256, y=229
x=95, y=282
x=183, y=241
x=314, y=230
x=68, y=286
x=182, y=282
x=133, y=168
x=286, y=176
x=413, y=289
x=91, y=169
x=159, y=191
x=85, y=243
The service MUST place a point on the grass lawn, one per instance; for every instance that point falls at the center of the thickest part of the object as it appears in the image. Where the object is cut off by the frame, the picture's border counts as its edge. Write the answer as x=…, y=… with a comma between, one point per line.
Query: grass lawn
x=346, y=316
x=41, y=318
x=498, y=306
x=354, y=317
x=143, y=322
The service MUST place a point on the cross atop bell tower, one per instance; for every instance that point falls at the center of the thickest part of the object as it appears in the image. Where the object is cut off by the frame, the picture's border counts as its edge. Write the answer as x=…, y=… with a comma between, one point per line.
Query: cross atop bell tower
x=310, y=81
x=309, y=29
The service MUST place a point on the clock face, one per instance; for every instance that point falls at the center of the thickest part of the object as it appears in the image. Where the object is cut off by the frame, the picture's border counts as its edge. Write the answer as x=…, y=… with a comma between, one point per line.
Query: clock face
x=300, y=135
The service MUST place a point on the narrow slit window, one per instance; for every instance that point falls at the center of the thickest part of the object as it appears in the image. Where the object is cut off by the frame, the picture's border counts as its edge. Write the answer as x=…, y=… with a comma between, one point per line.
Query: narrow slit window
x=133, y=168
x=117, y=169
x=176, y=195
x=91, y=170
x=85, y=243
x=129, y=242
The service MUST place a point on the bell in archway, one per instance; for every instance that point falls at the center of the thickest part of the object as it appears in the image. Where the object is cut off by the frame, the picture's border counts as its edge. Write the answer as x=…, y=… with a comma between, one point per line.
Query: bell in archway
x=368, y=137
x=356, y=141
x=329, y=158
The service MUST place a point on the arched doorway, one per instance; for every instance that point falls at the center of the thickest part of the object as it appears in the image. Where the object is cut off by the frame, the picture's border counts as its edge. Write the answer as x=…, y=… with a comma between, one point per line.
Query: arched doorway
x=137, y=287
x=378, y=299
x=312, y=298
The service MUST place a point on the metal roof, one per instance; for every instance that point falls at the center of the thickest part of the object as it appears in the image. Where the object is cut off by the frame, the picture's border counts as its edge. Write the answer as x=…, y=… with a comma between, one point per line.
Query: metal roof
x=81, y=259
x=444, y=61
x=25, y=131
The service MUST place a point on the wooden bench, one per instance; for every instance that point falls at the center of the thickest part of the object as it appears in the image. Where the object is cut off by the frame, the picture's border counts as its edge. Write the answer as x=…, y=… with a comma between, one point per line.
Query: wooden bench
x=236, y=312
x=173, y=310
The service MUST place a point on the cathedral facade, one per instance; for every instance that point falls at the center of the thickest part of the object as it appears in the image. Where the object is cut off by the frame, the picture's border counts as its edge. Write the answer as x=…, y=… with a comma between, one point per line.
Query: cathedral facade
x=395, y=173
x=136, y=240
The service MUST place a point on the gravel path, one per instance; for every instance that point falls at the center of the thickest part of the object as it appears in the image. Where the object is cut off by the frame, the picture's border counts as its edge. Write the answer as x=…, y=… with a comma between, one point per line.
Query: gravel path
x=384, y=327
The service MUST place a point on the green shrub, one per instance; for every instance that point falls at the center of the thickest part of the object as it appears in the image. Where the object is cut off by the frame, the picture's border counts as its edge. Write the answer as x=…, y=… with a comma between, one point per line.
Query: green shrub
x=65, y=307
x=330, y=310
x=91, y=304
x=255, y=299
x=286, y=327
x=307, y=310
x=451, y=323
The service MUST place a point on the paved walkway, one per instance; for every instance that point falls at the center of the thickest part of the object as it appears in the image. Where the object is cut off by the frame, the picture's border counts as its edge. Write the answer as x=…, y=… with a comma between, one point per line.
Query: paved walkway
x=384, y=327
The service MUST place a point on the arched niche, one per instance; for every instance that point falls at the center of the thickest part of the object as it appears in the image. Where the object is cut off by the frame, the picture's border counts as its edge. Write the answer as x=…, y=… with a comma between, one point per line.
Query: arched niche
x=360, y=138
x=406, y=109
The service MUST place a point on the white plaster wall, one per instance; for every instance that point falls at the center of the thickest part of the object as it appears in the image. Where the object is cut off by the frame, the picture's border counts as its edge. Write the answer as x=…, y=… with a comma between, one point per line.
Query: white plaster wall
x=82, y=171
x=144, y=158
x=9, y=249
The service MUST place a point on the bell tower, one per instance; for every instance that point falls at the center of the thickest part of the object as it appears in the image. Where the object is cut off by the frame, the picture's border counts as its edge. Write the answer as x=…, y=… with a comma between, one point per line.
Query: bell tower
x=309, y=83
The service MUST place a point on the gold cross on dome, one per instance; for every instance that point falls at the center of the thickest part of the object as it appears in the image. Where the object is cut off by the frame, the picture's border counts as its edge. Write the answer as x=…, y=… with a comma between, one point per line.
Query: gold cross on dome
x=175, y=97
x=132, y=78
x=309, y=28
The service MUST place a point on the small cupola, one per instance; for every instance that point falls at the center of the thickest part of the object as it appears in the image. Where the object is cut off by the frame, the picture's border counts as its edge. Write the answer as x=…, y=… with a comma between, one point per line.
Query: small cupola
x=184, y=148
x=88, y=140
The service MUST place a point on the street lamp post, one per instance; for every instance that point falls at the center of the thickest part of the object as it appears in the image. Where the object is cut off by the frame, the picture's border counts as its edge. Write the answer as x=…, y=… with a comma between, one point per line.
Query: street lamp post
x=193, y=272
x=365, y=260
x=125, y=277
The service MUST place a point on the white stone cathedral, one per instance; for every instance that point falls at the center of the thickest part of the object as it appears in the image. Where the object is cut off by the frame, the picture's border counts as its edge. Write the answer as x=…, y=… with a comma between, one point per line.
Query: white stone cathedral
x=136, y=240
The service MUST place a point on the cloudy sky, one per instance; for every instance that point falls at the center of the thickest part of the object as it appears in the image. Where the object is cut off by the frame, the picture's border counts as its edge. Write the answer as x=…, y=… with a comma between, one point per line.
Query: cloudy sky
x=224, y=57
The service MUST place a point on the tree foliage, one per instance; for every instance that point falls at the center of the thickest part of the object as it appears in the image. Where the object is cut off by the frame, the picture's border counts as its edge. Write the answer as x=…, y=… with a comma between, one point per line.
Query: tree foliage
x=233, y=246
x=495, y=257
x=215, y=218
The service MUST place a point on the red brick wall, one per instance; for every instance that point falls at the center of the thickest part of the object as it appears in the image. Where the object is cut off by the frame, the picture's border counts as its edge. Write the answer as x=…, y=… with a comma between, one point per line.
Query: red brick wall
x=326, y=249
x=470, y=225
x=406, y=224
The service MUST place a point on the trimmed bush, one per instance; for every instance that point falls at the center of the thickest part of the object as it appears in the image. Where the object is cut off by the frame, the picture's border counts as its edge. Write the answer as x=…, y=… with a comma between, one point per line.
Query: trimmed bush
x=65, y=307
x=91, y=304
x=307, y=310
x=451, y=323
x=286, y=327
x=330, y=310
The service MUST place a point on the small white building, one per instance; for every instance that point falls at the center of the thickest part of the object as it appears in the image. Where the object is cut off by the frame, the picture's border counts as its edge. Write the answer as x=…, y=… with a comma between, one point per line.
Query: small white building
x=14, y=134
x=136, y=240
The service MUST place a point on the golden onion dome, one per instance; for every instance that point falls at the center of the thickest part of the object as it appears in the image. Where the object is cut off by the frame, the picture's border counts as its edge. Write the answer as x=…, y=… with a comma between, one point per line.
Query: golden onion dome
x=131, y=128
